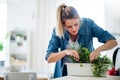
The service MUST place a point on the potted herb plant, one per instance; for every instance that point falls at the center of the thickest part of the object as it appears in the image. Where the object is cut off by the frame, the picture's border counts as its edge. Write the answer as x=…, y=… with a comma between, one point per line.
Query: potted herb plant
x=19, y=39
x=97, y=68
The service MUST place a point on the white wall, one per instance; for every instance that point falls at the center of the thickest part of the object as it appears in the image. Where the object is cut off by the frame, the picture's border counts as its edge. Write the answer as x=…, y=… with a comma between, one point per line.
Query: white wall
x=112, y=15
x=112, y=20
x=22, y=14
x=45, y=24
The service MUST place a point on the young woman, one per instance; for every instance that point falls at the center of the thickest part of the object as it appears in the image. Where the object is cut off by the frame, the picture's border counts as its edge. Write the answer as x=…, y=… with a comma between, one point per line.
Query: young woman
x=73, y=30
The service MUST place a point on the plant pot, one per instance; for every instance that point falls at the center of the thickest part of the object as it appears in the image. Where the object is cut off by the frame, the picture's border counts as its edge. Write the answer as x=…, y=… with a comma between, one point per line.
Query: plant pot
x=77, y=70
x=87, y=69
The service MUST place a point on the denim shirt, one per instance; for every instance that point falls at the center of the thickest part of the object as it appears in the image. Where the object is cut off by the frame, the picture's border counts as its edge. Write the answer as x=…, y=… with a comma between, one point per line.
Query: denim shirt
x=87, y=31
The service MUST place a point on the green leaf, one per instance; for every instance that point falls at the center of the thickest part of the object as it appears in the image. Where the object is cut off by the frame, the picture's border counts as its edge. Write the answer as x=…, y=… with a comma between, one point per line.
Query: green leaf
x=81, y=65
x=100, y=66
x=1, y=46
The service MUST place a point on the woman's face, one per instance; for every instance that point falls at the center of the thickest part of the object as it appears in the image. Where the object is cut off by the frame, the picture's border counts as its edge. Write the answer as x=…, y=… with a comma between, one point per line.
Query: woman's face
x=72, y=26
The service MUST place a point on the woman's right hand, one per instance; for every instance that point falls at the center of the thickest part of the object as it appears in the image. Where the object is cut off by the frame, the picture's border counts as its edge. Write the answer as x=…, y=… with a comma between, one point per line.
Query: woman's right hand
x=54, y=57
x=73, y=53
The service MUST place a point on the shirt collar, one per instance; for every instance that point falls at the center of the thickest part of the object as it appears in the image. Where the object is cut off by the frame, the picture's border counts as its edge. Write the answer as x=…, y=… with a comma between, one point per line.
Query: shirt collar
x=81, y=29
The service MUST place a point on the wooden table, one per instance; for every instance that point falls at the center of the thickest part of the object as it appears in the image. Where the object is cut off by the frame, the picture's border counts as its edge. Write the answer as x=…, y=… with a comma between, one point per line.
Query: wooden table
x=88, y=78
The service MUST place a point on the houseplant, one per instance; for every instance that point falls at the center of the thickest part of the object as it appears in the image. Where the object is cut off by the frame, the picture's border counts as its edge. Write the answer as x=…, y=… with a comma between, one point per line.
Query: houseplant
x=19, y=39
x=2, y=42
x=99, y=66
x=2, y=53
x=1, y=46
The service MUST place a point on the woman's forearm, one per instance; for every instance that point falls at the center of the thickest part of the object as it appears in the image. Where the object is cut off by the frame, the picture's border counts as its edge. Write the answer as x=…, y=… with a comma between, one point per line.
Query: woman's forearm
x=107, y=46
x=54, y=57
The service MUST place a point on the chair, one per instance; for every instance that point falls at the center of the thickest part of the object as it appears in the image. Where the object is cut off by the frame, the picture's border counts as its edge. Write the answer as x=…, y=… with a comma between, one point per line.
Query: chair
x=116, y=58
x=20, y=76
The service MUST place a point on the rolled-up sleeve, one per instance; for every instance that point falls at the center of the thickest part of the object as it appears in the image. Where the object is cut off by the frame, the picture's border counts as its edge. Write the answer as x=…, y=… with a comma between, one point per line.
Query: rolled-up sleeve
x=54, y=44
x=102, y=35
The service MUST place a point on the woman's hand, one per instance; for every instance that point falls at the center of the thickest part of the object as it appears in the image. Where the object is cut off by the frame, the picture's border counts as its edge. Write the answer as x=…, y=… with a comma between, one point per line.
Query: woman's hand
x=94, y=55
x=73, y=53
x=107, y=46
x=54, y=57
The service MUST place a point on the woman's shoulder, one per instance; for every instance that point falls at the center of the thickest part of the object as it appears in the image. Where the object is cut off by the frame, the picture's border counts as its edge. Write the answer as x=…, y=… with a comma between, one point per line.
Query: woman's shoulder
x=54, y=35
x=86, y=22
x=84, y=19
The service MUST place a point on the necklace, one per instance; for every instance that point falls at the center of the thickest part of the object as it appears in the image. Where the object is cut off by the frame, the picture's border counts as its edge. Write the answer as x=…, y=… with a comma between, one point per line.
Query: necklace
x=73, y=45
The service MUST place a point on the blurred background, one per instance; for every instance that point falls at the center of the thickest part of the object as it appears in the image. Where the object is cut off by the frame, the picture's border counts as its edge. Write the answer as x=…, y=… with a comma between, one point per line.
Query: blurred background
x=26, y=27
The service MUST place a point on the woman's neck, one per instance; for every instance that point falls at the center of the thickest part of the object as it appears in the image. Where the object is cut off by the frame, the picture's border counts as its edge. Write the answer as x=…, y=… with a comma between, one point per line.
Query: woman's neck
x=73, y=37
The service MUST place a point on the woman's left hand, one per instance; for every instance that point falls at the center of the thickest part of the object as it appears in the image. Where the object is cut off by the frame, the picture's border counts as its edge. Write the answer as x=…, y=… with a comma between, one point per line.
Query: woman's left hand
x=94, y=55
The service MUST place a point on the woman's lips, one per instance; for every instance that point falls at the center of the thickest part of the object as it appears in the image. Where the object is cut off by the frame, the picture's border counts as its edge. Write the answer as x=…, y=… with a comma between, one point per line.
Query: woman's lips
x=74, y=32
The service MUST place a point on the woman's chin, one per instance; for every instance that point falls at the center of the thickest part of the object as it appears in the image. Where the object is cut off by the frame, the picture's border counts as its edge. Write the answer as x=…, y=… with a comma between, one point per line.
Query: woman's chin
x=74, y=34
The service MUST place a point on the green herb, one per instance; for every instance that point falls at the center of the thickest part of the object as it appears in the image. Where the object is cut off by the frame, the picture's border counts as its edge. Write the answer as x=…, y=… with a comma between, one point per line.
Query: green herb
x=83, y=54
x=100, y=66
x=20, y=35
x=1, y=46
x=81, y=65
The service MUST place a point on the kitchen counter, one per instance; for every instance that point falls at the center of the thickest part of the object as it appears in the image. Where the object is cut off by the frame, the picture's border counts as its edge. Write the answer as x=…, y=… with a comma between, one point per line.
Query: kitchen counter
x=88, y=78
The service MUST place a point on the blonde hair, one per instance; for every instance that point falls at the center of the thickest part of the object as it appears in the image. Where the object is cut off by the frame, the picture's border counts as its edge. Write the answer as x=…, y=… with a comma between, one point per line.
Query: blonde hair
x=63, y=13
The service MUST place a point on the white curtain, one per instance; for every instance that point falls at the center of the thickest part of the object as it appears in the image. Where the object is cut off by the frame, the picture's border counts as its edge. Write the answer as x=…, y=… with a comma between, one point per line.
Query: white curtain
x=46, y=16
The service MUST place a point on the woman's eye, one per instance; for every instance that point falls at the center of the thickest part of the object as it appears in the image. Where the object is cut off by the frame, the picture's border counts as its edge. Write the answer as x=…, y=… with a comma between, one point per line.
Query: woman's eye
x=76, y=24
x=69, y=26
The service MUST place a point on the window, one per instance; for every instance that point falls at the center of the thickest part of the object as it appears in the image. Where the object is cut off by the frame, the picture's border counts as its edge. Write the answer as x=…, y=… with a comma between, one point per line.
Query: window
x=3, y=23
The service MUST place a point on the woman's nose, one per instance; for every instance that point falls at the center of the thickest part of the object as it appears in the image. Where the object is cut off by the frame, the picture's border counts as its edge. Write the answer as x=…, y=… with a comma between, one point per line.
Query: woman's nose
x=74, y=27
